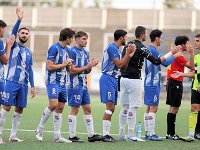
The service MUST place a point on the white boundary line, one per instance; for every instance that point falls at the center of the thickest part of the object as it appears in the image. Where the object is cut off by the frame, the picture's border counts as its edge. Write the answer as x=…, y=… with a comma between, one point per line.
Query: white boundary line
x=47, y=131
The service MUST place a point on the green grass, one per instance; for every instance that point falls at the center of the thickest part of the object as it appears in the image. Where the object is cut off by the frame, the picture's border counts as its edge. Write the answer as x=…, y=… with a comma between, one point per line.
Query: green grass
x=32, y=114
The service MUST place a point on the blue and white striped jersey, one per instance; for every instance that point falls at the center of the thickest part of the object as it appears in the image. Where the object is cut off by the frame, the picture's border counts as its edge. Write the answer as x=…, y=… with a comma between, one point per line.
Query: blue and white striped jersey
x=153, y=72
x=20, y=62
x=108, y=66
x=80, y=59
x=58, y=55
x=2, y=52
x=20, y=65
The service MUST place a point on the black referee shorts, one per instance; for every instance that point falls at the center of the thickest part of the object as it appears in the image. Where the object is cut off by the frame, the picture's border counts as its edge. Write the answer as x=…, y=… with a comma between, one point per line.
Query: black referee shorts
x=119, y=77
x=174, y=93
x=195, y=97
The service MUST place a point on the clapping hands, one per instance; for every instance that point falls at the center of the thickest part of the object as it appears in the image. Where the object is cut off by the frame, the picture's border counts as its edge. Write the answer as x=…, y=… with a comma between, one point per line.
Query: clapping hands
x=131, y=49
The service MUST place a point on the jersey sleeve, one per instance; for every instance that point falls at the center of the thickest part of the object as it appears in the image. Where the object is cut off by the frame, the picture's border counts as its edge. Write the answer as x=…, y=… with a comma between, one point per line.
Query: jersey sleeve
x=52, y=54
x=2, y=50
x=181, y=60
x=73, y=56
x=150, y=57
x=31, y=75
x=16, y=27
x=112, y=53
x=168, y=61
x=68, y=52
x=88, y=55
x=146, y=53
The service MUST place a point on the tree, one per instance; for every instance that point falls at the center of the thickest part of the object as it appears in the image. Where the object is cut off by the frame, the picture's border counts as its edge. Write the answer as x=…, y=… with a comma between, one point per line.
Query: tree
x=179, y=4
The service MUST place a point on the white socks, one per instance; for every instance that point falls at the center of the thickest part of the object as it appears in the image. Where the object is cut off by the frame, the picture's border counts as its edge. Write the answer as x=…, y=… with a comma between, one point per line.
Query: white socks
x=3, y=115
x=131, y=120
x=122, y=121
x=15, y=124
x=45, y=116
x=57, y=122
x=72, y=125
x=146, y=123
x=151, y=123
x=89, y=124
x=72, y=121
x=106, y=127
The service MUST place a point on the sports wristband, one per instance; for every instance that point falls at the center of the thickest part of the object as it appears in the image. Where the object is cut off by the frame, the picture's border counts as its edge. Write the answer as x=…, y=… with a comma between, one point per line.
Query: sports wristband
x=169, y=54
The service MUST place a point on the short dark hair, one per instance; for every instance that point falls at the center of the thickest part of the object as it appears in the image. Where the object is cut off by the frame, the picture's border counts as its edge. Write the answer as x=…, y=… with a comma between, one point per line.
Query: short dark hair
x=66, y=33
x=155, y=33
x=139, y=30
x=182, y=39
x=119, y=33
x=80, y=34
x=3, y=24
x=25, y=28
x=197, y=36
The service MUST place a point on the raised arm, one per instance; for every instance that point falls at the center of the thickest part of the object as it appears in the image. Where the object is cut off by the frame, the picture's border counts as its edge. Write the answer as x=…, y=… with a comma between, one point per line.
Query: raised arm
x=168, y=61
x=20, y=15
x=146, y=53
x=171, y=59
x=157, y=61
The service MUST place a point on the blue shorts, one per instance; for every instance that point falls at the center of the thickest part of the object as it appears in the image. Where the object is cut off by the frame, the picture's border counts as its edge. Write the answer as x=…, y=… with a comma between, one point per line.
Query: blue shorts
x=151, y=95
x=108, y=89
x=78, y=97
x=15, y=94
x=56, y=91
x=1, y=92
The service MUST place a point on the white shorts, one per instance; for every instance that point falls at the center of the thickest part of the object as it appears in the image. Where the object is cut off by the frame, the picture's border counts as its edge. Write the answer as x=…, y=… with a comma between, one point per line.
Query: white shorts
x=131, y=92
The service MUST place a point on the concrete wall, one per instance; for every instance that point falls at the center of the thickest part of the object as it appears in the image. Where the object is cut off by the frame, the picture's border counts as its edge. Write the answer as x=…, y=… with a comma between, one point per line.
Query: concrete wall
x=46, y=23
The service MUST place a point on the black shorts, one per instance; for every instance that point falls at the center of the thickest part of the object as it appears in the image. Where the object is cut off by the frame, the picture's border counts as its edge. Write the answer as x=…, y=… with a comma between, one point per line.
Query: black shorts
x=195, y=97
x=119, y=77
x=174, y=93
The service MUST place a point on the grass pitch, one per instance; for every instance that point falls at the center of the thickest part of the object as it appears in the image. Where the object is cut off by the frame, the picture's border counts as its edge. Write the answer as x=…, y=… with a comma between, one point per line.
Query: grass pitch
x=33, y=112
